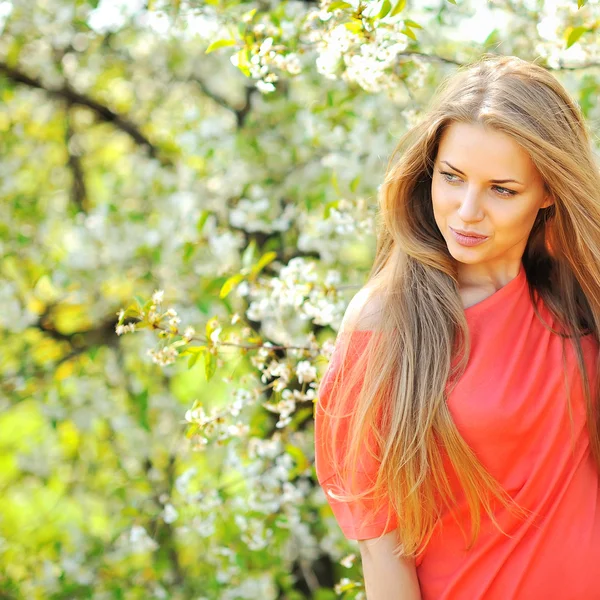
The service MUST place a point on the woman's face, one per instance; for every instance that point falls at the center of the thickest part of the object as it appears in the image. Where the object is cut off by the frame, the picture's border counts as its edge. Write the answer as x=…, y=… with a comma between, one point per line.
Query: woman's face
x=485, y=183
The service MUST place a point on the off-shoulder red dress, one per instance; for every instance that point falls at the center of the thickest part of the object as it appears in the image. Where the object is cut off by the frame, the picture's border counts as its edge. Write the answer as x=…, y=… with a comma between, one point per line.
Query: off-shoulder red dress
x=510, y=406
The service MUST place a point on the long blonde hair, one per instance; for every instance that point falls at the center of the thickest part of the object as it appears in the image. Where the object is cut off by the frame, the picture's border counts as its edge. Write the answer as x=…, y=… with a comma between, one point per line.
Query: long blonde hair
x=399, y=404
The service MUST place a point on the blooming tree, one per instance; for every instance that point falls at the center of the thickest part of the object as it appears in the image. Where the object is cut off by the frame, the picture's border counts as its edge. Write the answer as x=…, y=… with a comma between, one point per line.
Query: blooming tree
x=188, y=204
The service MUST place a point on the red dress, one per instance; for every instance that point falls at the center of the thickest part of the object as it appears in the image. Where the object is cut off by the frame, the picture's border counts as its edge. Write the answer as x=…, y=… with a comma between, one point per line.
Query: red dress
x=510, y=406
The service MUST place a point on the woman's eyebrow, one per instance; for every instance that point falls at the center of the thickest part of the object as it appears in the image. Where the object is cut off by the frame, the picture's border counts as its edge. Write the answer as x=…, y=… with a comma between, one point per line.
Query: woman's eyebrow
x=491, y=180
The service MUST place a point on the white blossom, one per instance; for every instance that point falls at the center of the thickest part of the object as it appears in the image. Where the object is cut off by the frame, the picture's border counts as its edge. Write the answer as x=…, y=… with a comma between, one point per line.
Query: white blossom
x=140, y=541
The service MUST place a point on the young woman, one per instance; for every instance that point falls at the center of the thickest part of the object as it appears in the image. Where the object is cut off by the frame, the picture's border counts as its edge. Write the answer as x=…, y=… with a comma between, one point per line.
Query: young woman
x=457, y=434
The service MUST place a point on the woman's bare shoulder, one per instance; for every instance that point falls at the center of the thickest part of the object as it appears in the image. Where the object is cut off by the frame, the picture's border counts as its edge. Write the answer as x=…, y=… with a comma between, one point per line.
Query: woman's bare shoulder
x=363, y=311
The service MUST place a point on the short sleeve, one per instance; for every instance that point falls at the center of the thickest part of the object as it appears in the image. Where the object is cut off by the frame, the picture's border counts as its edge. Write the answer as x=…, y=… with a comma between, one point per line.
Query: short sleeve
x=360, y=519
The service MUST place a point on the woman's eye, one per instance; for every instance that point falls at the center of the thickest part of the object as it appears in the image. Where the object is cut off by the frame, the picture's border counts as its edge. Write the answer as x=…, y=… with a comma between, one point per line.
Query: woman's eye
x=447, y=176
x=505, y=191
x=502, y=191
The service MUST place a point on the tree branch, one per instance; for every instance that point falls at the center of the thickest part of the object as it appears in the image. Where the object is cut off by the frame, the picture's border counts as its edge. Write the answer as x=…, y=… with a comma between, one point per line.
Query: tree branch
x=240, y=113
x=78, y=189
x=451, y=61
x=67, y=94
x=431, y=57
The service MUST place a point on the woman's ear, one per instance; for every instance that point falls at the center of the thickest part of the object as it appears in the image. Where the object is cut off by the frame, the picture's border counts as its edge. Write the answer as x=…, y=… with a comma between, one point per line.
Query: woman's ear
x=548, y=201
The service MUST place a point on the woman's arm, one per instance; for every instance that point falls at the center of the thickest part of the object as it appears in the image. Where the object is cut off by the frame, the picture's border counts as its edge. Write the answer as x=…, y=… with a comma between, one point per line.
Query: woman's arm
x=387, y=577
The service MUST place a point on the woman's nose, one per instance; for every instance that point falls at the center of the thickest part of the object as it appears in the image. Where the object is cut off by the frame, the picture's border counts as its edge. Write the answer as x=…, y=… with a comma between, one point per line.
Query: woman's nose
x=470, y=207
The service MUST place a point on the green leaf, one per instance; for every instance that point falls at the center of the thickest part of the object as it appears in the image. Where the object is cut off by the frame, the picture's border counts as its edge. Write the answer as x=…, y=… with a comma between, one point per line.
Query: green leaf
x=220, y=44
x=299, y=458
x=211, y=325
x=412, y=23
x=141, y=400
x=354, y=183
x=492, y=39
x=196, y=350
x=581, y=3
x=452, y=2
x=133, y=310
x=188, y=251
x=202, y=220
x=400, y=6
x=210, y=364
x=335, y=5
x=248, y=16
x=574, y=34
x=244, y=61
x=385, y=9
x=147, y=306
x=588, y=94
x=328, y=207
x=192, y=360
x=192, y=430
x=264, y=260
x=230, y=284
x=354, y=27
x=410, y=33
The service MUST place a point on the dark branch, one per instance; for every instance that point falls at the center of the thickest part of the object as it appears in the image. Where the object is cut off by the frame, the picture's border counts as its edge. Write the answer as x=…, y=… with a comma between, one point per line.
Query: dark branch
x=431, y=57
x=451, y=61
x=78, y=190
x=67, y=94
x=240, y=113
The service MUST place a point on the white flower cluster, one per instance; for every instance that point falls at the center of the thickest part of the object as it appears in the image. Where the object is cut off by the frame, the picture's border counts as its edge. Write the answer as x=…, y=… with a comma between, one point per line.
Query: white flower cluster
x=285, y=408
x=266, y=495
x=305, y=371
x=254, y=534
x=264, y=448
x=327, y=348
x=163, y=356
x=205, y=525
x=207, y=504
x=347, y=223
x=169, y=514
x=332, y=47
x=224, y=251
x=344, y=53
x=182, y=483
x=215, y=425
x=268, y=57
x=14, y=317
x=277, y=369
x=371, y=66
x=121, y=329
x=555, y=16
x=348, y=560
x=138, y=541
x=296, y=291
x=253, y=586
x=259, y=213
x=345, y=584
x=74, y=565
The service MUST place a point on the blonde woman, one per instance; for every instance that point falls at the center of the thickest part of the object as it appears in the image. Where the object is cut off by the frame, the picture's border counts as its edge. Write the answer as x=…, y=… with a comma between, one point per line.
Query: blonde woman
x=457, y=429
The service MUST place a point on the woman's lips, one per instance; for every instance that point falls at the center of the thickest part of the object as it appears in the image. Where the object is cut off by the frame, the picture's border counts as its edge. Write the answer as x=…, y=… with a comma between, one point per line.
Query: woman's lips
x=467, y=240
